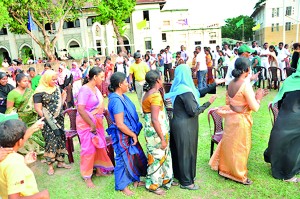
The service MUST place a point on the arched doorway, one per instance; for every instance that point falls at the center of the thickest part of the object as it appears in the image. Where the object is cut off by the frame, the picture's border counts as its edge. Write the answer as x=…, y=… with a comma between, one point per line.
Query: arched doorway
x=25, y=52
x=4, y=54
x=73, y=44
x=126, y=44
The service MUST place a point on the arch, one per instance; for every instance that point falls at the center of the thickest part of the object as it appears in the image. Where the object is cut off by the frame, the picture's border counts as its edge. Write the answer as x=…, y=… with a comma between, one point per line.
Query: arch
x=127, y=44
x=73, y=43
x=29, y=50
x=4, y=52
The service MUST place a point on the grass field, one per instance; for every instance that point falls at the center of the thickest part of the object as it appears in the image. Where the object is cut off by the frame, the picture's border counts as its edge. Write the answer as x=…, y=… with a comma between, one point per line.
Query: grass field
x=68, y=184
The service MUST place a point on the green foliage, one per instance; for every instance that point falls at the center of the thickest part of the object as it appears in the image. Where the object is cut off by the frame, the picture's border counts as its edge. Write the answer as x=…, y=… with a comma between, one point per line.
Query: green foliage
x=229, y=30
x=4, y=16
x=116, y=10
x=25, y=54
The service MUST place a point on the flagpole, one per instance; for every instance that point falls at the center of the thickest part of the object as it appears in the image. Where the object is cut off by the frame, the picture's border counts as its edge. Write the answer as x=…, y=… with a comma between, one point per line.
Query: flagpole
x=243, y=33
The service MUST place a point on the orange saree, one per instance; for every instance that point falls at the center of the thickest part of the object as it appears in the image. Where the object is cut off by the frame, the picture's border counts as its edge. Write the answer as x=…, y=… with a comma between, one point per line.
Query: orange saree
x=231, y=155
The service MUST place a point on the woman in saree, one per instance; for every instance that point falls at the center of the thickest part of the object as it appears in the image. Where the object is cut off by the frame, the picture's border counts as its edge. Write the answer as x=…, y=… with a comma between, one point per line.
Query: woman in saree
x=159, y=172
x=20, y=100
x=184, y=126
x=48, y=100
x=5, y=88
x=209, y=63
x=283, y=150
x=64, y=81
x=231, y=156
x=77, y=75
x=131, y=162
x=89, y=124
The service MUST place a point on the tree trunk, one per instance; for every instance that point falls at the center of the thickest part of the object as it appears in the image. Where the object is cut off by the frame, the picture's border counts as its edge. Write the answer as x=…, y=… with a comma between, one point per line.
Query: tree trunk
x=119, y=37
x=48, y=49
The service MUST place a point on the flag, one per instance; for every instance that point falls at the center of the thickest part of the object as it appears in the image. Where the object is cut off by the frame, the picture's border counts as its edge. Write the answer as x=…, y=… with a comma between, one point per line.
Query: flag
x=257, y=27
x=183, y=22
x=31, y=25
x=241, y=22
x=142, y=24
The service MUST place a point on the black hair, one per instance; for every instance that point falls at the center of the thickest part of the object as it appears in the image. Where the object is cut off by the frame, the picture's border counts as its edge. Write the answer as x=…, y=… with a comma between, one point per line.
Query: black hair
x=2, y=74
x=115, y=81
x=241, y=65
x=19, y=77
x=147, y=56
x=94, y=72
x=18, y=71
x=253, y=42
x=280, y=43
x=47, y=65
x=97, y=59
x=273, y=47
x=198, y=47
x=11, y=131
x=31, y=69
x=151, y=78
x=119, y=51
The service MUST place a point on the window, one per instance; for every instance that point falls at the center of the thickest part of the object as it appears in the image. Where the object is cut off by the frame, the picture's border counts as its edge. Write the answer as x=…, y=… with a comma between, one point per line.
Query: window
x=275, y=12
x=166, y=23
x=146, y=14
x=148, y=45
x=47, y=26
x=127, y=20
x=71, y=24
x=272, y=29
x=212, y=41
x=288, y=11
x=288, y=26
x=277, y=27
x=90, y=21
x=213, y=34
x=3, y=31
x=197, y=42
x=164, y=37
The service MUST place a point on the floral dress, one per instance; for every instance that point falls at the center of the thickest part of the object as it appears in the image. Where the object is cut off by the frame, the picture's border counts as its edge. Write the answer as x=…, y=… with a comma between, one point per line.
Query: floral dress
x=159, y=172
x=55, y=139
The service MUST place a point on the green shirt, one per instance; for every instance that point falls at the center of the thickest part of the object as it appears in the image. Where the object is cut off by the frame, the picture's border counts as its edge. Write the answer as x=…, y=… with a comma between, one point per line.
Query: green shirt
x=258, y=60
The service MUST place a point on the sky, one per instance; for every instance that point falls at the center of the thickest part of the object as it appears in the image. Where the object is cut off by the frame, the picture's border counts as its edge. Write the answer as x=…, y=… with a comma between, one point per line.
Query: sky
x=215, y=11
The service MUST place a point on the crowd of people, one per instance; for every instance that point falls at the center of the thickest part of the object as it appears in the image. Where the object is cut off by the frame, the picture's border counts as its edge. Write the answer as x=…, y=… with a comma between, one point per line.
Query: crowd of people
x=171, y=139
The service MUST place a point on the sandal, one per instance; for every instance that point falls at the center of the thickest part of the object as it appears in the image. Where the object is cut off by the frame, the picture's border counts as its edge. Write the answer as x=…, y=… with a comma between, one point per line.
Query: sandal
x=248, y=182
x=158, y=191
x=190, y=187
x=50, y=172
x=293, y=179
x=139, y=184
x=63, y=165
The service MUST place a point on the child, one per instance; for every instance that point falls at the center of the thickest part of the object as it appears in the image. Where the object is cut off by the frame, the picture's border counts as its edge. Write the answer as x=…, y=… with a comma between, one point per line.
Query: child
x=16, y=178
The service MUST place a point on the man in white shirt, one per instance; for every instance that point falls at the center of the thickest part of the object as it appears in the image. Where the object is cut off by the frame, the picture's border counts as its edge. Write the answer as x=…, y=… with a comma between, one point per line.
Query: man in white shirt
x=227, y=55
x=243, y=51
x=264, y=54
x=167, y=56
x=183, y=54
x=282, y=55
x=5, y=63
x=201, y=68
x=120, y=62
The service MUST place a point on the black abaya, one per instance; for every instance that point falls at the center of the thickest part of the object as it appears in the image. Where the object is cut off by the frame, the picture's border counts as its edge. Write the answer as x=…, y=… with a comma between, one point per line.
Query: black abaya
x=283, y=151
x=184, y=137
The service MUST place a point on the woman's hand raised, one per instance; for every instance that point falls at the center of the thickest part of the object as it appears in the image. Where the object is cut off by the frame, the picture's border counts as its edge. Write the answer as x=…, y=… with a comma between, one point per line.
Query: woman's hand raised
x=212, y=98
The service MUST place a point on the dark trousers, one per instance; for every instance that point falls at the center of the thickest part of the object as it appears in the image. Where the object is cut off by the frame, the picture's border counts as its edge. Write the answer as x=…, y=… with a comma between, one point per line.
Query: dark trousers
x=167, y=68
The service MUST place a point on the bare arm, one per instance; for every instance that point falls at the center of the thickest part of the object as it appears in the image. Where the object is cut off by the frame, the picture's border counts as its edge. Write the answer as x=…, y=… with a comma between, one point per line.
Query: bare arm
x=156, y=124
x=85, y=117
x=119, y=118
x=38, y=108
x=40, y=195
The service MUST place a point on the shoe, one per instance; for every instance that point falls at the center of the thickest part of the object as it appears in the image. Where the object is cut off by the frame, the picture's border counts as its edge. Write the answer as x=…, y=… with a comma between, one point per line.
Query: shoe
x=190, y=187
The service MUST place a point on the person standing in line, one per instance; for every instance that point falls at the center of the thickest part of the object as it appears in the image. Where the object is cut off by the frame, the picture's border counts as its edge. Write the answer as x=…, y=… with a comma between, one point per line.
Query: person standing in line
x=5, y=88
x=201, y=68
x=184, y=54
x=231, y=156
x=139, y=70
x=34, y=78
x=167, y=56
x=131, y=162
x=281, y=57
x=77, y=75
x=185, y=126
x=264, y=54
x=120, y=62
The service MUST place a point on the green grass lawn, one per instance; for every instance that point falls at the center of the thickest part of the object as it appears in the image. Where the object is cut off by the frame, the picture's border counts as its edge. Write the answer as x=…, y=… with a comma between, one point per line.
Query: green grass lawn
x=69, y=184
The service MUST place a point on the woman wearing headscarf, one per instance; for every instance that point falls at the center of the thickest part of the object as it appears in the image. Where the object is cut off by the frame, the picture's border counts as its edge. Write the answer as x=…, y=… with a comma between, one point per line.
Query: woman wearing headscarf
x=283, y=150
x=89, y=124
x=5, y=88
x=65, y=80
x=184, y=126
x=48, y=101
x=231, y=156
x=77, y=75
x=131, y=162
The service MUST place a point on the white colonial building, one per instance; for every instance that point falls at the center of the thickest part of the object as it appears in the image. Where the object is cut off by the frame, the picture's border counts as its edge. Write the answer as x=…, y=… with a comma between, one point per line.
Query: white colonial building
x=167, y=23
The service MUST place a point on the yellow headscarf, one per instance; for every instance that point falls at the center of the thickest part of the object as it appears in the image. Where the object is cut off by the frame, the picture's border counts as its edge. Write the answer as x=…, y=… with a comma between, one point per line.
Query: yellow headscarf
x=44, y=83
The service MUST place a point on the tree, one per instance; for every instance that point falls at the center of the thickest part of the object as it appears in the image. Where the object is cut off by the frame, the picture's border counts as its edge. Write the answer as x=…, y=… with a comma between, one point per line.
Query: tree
x=230, y=30
x=116, y=11
x=4, y=17
x=42, y=12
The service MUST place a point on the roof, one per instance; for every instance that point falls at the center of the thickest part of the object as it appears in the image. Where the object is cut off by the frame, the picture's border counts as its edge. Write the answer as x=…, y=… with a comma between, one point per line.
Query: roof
x=173, y=5
x=149, y=1
x=261, y=6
